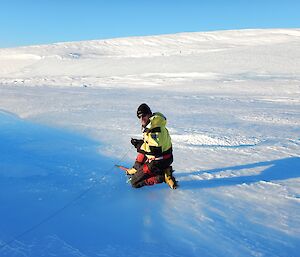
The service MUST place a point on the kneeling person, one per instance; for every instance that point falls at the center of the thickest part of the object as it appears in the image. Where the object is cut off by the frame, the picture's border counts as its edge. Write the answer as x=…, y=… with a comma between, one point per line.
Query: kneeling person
x=155, y=155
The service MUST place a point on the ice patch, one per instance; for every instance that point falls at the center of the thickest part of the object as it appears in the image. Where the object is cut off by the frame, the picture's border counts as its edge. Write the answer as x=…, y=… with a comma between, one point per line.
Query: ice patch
x=47, y=246
x=209, y=141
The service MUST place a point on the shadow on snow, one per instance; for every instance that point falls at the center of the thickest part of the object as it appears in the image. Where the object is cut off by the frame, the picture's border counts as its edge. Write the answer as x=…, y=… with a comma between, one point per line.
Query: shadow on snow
x=281, y=169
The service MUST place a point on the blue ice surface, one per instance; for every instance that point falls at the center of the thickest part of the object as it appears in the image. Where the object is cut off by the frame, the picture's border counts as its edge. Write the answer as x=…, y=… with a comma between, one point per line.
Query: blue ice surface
x=60, y=197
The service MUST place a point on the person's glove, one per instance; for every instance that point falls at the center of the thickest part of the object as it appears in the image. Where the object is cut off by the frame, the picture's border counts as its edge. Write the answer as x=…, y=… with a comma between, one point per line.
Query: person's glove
x=136, y=142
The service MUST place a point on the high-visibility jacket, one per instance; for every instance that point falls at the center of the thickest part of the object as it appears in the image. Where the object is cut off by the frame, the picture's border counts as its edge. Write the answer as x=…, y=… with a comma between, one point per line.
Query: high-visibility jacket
x=157, y=141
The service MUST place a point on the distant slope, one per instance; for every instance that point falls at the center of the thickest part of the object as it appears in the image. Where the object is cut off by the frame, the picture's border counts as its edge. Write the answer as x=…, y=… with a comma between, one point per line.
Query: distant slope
x=116, y=61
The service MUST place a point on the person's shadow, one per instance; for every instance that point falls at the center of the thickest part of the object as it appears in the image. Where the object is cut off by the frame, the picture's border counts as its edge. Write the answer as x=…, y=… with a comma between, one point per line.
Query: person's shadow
x=281, y=169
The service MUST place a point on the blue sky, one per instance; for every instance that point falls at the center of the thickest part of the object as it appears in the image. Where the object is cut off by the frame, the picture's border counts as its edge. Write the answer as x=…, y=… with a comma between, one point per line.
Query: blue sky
x=26, y=22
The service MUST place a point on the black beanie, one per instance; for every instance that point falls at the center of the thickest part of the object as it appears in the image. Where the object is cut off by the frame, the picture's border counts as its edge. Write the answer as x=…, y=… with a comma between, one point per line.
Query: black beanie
x=143, y=110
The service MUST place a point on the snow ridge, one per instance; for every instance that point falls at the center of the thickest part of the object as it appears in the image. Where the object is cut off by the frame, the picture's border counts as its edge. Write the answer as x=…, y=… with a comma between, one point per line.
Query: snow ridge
x=101, y=62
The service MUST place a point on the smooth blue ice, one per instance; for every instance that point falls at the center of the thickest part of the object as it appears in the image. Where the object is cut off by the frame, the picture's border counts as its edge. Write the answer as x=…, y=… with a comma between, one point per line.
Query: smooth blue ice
x=60, y=197
x=42, y=169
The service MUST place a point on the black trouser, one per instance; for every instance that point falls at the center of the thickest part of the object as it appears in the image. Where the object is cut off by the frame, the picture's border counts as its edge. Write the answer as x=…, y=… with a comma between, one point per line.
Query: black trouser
x=150, y=172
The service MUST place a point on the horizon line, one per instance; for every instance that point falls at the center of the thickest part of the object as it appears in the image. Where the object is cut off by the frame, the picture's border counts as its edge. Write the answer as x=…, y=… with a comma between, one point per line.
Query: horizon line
x=150, y=35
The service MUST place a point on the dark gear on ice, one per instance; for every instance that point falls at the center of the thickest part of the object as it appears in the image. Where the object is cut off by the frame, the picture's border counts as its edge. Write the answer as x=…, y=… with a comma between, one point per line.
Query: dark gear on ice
x=155, y=155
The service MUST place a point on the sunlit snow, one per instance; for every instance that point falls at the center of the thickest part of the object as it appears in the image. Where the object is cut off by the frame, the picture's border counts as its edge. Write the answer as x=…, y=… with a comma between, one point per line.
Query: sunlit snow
x=68, y=111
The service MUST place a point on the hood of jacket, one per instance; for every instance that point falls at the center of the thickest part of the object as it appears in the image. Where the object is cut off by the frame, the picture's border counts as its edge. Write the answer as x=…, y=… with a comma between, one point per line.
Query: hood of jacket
x=156, y=120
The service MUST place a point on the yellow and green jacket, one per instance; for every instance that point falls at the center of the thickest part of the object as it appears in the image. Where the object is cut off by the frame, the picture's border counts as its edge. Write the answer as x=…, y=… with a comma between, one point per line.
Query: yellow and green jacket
x=157, y=141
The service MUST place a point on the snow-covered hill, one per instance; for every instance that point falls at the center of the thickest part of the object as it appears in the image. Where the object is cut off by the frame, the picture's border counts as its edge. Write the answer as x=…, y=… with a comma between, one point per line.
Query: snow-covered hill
x=227, y=55
x=232, y=101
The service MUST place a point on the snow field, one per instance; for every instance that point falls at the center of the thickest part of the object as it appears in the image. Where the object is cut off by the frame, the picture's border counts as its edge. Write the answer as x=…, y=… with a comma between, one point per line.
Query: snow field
x=232, y=103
